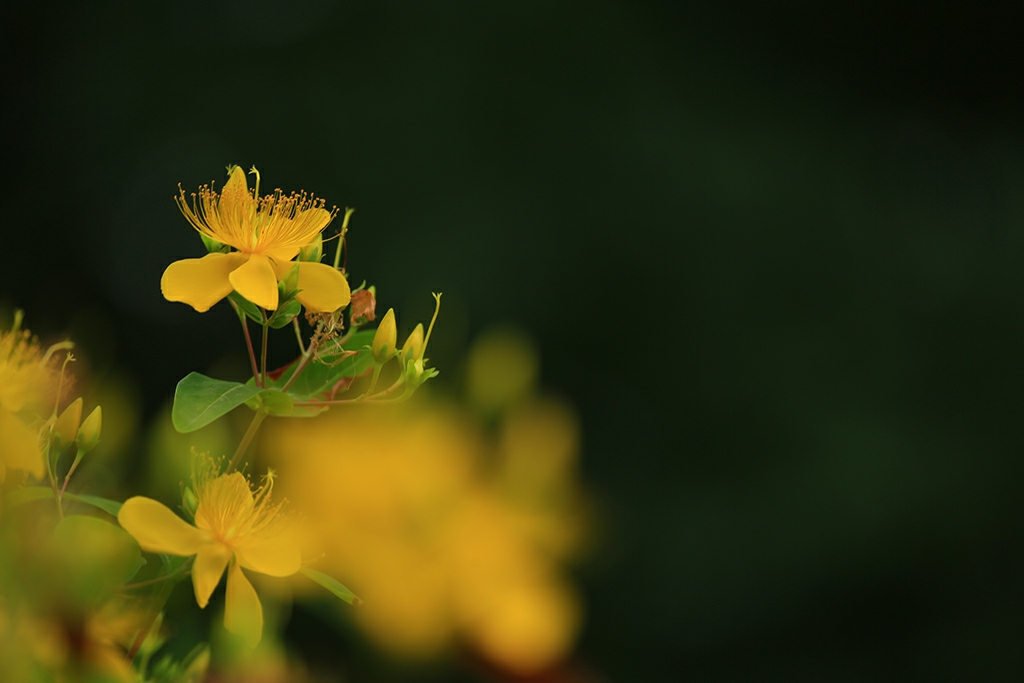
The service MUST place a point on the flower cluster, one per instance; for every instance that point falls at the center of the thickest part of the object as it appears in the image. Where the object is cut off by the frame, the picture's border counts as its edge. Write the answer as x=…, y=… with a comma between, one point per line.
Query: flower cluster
x=452, y=532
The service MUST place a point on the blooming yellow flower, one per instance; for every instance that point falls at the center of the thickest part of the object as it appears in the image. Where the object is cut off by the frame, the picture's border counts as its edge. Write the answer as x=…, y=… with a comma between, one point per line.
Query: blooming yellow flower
x=266, y=233
x=233, y=529
x=26, y=380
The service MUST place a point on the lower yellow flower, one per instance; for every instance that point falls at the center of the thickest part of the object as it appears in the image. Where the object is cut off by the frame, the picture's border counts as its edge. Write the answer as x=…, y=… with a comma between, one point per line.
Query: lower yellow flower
x=235, y=527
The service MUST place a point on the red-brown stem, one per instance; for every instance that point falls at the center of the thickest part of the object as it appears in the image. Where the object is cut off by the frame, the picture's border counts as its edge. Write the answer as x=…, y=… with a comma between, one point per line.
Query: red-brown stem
x=252, y=352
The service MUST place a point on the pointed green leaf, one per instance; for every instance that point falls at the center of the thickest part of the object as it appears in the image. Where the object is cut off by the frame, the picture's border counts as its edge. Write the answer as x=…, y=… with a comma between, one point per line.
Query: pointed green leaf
x=199, y=400
x=26, y=495
x=31, y=493
x=111, y=507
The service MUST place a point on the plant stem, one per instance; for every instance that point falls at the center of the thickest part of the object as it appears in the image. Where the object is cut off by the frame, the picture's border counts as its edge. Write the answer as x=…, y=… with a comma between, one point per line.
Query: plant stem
x=53, y=480
x=154, y=611
x=257, y=419
x=298, y=334
x=263, y=351
x=248, y=345
x=180, y=572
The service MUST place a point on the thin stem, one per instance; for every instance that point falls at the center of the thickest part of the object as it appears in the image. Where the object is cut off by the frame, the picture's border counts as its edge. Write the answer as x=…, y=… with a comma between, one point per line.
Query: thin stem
x=263, y=351
x=257, y=420
x=181, y=571
x=154, y=611
x=53, y=480
x=298, y=369
x=341, y=237
x=298, y=334
x=248, y=345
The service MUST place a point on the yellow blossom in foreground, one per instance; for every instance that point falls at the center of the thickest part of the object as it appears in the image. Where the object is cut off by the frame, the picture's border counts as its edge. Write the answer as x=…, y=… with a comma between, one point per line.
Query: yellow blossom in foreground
x=266, y=233
x=27, y=380
x=234, y=528
x=442, y=548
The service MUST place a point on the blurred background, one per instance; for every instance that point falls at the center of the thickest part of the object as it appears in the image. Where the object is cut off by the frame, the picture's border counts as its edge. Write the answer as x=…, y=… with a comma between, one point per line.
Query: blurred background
x=772, y=253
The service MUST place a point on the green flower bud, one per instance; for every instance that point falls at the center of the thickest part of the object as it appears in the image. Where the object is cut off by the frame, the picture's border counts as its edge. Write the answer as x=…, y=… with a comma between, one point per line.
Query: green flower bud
x=290, y=282
x=413, y=347
x=66, y=427
x=89, y=432
x=314, y=250
x=189, y=501
x=213, y=246
x=386, y=337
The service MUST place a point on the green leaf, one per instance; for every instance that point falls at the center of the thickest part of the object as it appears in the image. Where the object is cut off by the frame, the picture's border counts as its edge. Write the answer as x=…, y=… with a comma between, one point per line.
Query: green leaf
x=26, y=495
x=275, y=402
x=333, y=585
x=318, y=378
x=99, y=554
x=199, y=400
x=111, y=507
x=31, y=493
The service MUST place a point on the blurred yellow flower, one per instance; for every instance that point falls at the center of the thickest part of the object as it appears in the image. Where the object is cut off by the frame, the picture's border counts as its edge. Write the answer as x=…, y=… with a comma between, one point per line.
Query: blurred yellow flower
x=415, y=508
x=27, y=381
x=267, y=233
x=235, y=527
x=70, y=647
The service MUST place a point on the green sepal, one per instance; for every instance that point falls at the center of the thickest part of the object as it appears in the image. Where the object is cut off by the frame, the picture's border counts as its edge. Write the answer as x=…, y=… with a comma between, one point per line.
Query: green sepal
x=213, y=246
x=199, y=400
x=333, y=585
x=246, y=308
x=285, y=313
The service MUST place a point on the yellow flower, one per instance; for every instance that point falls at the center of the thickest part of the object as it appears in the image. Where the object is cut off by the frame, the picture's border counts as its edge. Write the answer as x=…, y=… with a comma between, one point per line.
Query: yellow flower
x=233, y=529
x=266, y=233
x=27, y=380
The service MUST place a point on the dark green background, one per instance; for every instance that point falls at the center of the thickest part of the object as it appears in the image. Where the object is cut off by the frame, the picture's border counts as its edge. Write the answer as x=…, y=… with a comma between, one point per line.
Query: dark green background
x=772, y=251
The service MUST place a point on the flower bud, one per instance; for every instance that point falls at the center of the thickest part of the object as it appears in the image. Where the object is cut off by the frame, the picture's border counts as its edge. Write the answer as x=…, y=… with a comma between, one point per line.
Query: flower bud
x=89, y=432
x=314, y=250
x=189, y=501
x=290, y=281
x=66, y=426
x=385, y=338
x=212, y=245
x=413, y=347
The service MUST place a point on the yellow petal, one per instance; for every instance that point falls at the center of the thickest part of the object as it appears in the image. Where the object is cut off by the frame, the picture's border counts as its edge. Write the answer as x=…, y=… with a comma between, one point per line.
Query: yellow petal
x=211, y=560
x=278, y=555
x=158, y=529
x=200, y=282
x=282, y=255
x=20, y=445
x=322, y=288
x=243, y=614
x=256, y=281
